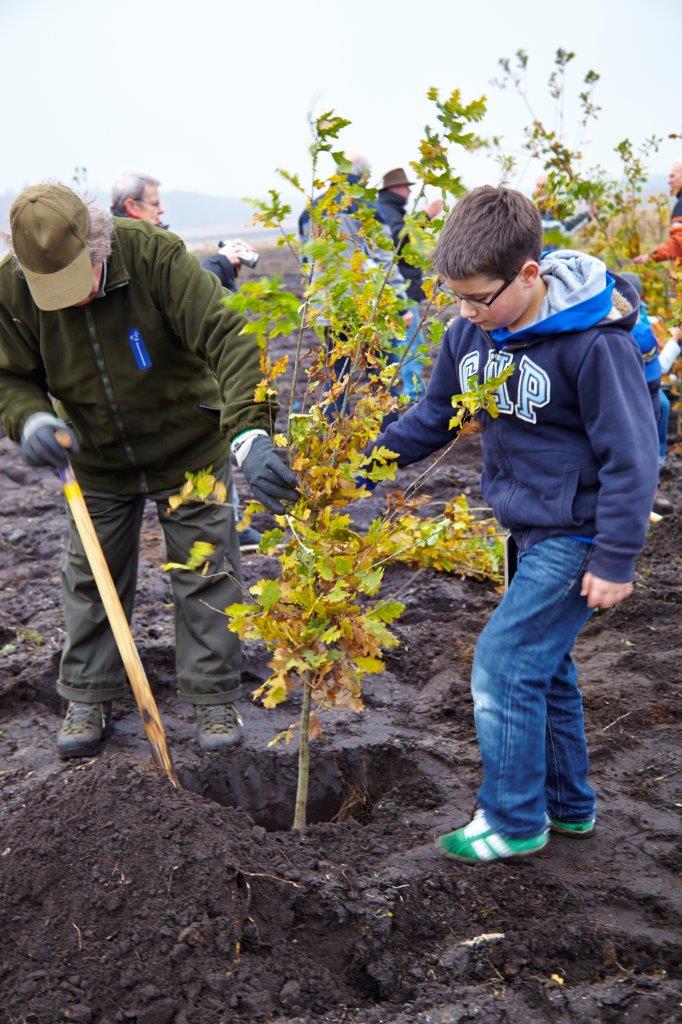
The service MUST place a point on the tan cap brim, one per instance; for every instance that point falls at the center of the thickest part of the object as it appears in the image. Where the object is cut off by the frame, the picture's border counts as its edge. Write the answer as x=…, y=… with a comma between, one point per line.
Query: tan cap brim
x=63, y=288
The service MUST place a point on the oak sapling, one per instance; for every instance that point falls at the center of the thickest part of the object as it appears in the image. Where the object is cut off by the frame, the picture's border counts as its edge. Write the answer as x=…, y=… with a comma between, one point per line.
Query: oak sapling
x=323, y=620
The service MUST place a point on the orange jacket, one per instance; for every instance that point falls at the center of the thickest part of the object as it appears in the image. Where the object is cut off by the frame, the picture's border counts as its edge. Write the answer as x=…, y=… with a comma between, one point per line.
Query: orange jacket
x=672, y=249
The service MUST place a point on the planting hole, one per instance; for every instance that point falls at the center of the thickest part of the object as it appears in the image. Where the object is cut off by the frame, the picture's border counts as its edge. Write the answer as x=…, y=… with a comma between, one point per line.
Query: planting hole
x=344, y=784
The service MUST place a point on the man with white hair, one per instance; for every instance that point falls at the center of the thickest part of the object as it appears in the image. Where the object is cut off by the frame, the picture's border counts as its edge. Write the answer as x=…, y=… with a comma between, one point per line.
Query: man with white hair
x=111, y=332
x=137, y=196
x=672, y=249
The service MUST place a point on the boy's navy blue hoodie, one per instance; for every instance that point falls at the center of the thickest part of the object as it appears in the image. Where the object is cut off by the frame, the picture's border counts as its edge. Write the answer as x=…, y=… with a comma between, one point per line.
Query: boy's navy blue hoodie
x=574, y=451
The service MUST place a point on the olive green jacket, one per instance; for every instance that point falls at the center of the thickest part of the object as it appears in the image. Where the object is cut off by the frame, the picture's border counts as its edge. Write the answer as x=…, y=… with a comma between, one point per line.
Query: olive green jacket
x=128, y=370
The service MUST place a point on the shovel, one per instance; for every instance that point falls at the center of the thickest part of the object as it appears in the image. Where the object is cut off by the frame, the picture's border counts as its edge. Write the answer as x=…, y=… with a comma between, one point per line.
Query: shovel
x=144, y=697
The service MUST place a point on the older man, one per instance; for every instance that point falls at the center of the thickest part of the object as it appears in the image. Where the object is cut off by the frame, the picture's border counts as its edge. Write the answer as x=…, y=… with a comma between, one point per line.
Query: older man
x=672, y=249
x=118, y=325
x=137, y=196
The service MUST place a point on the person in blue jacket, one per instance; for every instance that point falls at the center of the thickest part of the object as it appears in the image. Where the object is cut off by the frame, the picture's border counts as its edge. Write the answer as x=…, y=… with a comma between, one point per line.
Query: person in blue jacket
x=643, y=334
x=569, y=467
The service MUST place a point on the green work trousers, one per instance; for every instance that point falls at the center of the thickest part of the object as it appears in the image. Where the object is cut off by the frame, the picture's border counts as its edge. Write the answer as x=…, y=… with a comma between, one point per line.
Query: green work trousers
x=208, y=655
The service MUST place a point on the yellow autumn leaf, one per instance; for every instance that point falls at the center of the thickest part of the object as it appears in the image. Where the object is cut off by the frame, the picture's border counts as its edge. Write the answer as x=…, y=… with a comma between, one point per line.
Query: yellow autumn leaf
x=219, y=492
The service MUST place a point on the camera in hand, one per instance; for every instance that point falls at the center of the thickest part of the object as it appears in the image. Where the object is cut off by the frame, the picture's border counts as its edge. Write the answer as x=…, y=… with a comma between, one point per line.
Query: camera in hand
x=247, y=256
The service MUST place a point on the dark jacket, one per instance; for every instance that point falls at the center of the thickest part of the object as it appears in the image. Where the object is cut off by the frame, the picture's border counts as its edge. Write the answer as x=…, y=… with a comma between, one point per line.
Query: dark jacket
x=574, y=450
x=129, y=369
x=392, y=208
x=223, y=269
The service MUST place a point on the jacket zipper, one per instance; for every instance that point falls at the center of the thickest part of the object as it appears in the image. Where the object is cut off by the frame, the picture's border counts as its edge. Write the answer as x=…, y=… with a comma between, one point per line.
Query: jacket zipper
x=111, y=398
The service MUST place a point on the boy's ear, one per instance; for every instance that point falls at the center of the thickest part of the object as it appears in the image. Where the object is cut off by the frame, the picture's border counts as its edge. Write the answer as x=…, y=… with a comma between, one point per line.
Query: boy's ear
x=530, y=271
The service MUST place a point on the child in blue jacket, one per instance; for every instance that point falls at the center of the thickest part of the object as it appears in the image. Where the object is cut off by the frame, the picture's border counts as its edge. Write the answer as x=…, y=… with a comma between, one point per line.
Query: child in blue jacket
x=570, y=467
x=644, y=335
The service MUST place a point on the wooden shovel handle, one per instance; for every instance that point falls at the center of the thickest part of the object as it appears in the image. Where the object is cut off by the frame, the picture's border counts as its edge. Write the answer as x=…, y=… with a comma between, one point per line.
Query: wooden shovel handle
x=144, y=697
x=63, y=438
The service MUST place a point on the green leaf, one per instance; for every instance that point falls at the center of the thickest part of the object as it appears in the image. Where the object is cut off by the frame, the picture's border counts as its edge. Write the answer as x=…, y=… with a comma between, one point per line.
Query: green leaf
x=267, y=593
x=371, y=581
x=271, y=539
x=388, y=610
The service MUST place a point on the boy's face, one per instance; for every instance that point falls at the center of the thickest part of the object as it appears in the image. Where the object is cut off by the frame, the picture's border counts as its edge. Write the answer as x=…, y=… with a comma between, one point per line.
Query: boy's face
x=492, y=302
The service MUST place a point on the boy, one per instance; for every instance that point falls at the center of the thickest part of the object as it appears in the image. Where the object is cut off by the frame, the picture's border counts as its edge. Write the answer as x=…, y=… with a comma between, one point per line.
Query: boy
x=570, y=467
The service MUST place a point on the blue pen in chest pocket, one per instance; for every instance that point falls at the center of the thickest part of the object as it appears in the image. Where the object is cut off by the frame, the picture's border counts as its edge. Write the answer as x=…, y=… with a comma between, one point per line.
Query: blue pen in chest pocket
x=139, y=349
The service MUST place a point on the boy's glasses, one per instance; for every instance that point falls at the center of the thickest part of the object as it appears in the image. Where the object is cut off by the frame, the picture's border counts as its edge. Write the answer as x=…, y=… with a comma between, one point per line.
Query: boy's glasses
x=480, y=303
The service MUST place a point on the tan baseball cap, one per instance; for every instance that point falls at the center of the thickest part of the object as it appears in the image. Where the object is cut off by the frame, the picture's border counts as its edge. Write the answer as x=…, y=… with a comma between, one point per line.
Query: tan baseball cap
x=50, y=227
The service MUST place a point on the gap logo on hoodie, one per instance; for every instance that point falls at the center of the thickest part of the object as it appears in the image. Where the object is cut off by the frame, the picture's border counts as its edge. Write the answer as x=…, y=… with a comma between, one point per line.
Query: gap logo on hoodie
x=534, y=385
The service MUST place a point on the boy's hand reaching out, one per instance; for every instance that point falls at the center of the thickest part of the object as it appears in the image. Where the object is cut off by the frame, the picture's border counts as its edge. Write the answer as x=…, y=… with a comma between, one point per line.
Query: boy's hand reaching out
x=603, y=594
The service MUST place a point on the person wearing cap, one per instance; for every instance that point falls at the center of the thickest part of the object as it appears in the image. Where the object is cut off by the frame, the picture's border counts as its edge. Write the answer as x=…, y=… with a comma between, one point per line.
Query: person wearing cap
x=137, y=196
x=118, y=326
x=392, y=207
x=374, y=257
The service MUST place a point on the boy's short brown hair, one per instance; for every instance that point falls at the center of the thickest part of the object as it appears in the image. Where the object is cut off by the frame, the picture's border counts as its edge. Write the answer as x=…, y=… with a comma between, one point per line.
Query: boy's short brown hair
x=491, y=231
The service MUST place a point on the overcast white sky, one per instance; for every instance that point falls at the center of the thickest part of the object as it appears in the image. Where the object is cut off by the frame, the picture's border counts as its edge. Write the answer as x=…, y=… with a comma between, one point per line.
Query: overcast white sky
x=211, y=95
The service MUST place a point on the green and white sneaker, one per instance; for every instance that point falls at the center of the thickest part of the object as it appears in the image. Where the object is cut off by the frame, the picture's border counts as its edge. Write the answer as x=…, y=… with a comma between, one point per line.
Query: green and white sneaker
x=478, y=843
x=574, y=829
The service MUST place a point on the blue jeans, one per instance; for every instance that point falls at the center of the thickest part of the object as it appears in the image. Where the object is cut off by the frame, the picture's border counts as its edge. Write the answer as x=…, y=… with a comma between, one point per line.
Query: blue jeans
x=527, y=705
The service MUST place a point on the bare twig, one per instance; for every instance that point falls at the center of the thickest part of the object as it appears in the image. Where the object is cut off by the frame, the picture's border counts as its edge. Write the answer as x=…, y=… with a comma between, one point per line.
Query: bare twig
x=619, y=719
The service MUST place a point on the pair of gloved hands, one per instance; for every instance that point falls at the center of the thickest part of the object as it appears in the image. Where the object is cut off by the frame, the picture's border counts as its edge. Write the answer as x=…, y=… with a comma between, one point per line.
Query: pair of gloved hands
x=268, y=476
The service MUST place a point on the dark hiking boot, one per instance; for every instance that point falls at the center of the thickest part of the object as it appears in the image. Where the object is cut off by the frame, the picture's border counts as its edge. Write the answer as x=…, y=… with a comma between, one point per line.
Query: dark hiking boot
x=663, y=506
x=83, y=729
x=218, y=726
x=249, y=539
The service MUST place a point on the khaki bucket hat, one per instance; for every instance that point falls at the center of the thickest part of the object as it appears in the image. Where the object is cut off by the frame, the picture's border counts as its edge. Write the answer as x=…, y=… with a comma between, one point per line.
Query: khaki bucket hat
x=50, y=227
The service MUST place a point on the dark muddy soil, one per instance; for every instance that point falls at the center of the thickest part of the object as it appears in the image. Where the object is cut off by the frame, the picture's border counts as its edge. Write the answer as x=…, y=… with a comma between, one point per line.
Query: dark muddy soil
x=124, y=900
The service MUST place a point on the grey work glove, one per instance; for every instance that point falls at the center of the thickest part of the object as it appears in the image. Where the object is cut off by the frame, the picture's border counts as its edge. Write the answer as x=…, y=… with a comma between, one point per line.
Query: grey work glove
x=268, y=476
x=40, y=447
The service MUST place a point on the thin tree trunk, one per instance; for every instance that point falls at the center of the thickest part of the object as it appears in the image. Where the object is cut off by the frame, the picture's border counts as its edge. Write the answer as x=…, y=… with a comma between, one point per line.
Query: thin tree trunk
x=300, y=813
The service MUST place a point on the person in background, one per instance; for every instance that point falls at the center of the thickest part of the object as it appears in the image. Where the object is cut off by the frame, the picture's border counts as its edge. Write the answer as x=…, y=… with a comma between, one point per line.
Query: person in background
x=392, y=207
x=554, y=230
x=112, y=333
x=374, y=256
x=672, y=249
x=225, y=263
x=643, y=334
x=137, y=196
